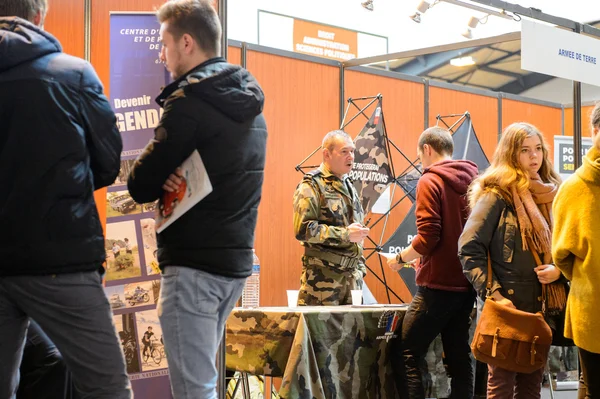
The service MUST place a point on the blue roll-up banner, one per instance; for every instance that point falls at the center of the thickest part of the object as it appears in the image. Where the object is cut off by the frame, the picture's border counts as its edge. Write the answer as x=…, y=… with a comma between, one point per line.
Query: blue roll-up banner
x=132, y=277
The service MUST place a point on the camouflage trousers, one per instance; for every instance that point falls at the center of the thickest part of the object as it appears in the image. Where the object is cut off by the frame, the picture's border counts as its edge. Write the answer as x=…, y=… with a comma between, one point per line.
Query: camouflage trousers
x=322, y=284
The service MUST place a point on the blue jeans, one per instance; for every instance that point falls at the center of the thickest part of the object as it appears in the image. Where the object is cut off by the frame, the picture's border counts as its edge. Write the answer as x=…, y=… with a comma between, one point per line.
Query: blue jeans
x=74, y=312
x=192, y=309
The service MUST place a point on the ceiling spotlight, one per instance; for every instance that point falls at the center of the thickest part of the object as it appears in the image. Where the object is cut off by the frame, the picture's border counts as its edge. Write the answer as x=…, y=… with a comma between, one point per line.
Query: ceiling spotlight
x=421, y=9
x=468, y=34
x=368, y=5
x=472, y=24
x=416, y=17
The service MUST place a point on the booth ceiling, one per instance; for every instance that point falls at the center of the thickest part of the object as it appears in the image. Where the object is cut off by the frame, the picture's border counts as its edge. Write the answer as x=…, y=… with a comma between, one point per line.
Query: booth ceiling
x=497, y=67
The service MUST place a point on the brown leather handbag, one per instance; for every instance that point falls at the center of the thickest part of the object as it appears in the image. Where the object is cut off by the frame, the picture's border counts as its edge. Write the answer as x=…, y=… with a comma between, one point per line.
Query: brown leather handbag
x=509, y=338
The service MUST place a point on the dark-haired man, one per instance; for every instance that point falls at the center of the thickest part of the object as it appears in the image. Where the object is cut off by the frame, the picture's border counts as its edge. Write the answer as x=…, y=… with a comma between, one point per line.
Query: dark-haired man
x=444, y=299
x=205, y=255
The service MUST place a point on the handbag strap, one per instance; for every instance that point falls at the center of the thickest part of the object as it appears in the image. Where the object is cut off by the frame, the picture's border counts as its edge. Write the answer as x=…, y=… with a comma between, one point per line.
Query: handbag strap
x=488, y=287
x=538, y=261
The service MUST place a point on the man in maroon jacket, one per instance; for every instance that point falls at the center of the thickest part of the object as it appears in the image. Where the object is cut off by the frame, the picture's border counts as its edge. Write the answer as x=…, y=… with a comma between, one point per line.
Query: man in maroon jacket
x=444, y=298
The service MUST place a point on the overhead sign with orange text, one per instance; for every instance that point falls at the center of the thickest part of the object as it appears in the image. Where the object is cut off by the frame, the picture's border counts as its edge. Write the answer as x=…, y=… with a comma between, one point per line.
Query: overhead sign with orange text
x=324, y=41
x=307, y=37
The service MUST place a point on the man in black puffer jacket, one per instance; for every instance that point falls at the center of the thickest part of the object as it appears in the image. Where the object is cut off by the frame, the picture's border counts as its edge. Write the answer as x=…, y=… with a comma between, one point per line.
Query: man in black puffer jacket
x=58, y=143
x=206, y=254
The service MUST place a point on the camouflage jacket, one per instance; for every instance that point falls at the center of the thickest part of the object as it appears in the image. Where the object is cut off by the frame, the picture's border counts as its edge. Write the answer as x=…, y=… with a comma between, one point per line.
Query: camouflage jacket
x=324, y=206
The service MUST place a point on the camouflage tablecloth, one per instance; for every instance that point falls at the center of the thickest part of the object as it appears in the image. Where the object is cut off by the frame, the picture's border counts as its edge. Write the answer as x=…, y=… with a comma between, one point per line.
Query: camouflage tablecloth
x=320, y=352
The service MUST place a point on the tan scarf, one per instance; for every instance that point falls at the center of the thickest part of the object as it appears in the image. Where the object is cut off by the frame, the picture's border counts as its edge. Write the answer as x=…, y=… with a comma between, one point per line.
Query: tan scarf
x=534, y=211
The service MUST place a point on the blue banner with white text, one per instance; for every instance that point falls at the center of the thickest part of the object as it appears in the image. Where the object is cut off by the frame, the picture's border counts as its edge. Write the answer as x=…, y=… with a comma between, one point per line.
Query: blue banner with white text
x=132, y=275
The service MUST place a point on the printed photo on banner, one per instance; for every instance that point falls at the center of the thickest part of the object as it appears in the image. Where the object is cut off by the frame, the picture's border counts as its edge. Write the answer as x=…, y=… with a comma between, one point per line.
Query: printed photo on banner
x=150, y=246
x=120, y=203
x=139, y=294
x=126, y=166
x=124, y=326
x=150, y=207
x=150, y=338
x=122, y=255
x=116, y=296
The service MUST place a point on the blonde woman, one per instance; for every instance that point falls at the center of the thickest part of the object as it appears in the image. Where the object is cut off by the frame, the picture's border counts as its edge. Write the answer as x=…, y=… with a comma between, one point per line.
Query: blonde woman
x=512, y=201
x=576, y=250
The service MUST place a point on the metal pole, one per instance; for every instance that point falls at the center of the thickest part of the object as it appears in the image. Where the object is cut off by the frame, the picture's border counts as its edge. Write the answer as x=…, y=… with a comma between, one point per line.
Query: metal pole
x=426, y=104
x=87, y=30
x=577, y=116
x=223, y=19
x=577, y=123
x=500, y=122
x=244, y=54
x=342, y=94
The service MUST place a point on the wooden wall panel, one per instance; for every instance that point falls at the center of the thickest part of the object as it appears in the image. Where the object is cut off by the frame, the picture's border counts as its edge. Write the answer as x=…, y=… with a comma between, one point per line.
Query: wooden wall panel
x=585, y=121
x=547, y=119
x=234, y=55
x=483, y=110
x=403, y=109
x=298, y=115
x=65, y=20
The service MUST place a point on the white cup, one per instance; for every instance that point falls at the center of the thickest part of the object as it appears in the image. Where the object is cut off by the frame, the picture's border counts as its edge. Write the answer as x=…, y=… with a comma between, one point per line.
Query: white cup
x=356, y=297
x=292, y=296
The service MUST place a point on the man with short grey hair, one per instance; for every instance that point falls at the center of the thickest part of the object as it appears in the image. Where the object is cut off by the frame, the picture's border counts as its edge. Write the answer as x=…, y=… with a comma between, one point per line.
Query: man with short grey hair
x=328, y=221
x=58, y=143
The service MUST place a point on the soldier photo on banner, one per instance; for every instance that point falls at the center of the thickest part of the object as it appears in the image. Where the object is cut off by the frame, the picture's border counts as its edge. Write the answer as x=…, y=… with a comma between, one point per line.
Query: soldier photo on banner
x=371, y=173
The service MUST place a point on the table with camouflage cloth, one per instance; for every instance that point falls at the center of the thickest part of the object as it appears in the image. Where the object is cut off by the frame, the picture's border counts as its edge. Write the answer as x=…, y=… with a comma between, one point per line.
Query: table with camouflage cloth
x=320, y=352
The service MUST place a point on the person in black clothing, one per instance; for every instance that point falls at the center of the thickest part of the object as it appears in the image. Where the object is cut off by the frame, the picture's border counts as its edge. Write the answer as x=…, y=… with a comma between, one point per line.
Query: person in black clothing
x=44, y=374
x=59, y=143
x=205, y=256
x=147, y=341
x=128, y=246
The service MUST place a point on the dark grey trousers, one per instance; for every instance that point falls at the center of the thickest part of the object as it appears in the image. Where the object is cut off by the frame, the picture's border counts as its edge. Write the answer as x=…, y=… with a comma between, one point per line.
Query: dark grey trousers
x=74, y=312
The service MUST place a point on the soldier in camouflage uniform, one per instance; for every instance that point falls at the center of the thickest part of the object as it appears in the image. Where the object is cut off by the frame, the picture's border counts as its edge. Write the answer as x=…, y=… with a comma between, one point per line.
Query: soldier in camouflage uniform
x=328, y=219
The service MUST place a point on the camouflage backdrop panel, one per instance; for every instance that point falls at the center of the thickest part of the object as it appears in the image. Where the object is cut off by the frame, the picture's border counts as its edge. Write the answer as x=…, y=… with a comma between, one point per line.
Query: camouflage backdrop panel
x=371, y=172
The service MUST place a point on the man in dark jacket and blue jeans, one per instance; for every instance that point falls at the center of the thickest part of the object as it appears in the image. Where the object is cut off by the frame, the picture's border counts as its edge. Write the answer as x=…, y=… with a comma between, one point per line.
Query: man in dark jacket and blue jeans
x=58, y=143
x=444, y=299
x=205, y=255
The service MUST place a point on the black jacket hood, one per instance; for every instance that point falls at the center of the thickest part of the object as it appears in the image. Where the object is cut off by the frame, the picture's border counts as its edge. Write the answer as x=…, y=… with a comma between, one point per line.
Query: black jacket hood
x=22, y=41
x=229, y=88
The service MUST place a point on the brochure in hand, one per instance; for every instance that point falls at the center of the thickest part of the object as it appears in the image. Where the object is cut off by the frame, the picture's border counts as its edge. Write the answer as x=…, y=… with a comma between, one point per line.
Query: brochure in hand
x=194, y=187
